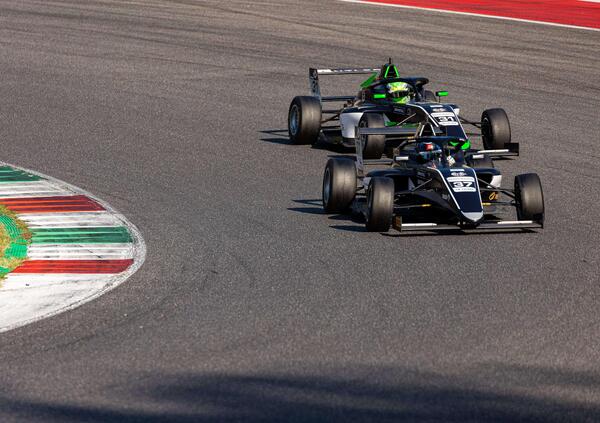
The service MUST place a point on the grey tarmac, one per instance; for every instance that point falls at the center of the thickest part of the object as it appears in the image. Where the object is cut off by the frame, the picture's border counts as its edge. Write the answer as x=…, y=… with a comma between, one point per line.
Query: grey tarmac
x=252, y=304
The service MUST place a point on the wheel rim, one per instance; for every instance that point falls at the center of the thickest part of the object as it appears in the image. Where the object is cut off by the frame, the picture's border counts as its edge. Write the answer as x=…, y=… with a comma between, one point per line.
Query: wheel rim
x=327, y=187
x=294, y=121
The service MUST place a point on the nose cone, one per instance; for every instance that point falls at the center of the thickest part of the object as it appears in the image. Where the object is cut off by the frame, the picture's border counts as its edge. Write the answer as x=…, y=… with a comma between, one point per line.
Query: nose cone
x=473, y=217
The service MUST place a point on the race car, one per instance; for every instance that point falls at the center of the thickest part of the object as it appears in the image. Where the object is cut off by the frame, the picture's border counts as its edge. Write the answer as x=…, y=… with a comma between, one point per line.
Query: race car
x=434, y=184
x=386, y=100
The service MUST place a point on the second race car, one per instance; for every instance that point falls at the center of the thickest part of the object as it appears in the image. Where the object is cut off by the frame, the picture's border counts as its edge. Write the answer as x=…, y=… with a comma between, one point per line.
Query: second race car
x=387, y=100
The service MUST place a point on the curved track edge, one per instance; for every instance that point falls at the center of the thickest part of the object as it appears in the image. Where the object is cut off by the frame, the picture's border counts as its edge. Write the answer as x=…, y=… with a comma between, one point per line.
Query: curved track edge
x=28, y=294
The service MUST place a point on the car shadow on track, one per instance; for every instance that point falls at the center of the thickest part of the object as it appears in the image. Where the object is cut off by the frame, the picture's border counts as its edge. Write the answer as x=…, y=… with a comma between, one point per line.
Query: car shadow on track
x=280, y=136
x=317, y=208
x=276, y=136
x=357, y=394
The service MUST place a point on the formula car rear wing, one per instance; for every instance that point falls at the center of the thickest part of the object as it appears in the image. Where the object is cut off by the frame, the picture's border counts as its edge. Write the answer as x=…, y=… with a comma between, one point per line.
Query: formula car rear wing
x=315, y=89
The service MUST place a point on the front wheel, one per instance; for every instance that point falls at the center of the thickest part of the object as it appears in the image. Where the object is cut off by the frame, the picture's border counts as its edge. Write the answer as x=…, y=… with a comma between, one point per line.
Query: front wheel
x=529, y=197
x=380, y=204
x=304, y=120
x=495, y=129
x=339, y=185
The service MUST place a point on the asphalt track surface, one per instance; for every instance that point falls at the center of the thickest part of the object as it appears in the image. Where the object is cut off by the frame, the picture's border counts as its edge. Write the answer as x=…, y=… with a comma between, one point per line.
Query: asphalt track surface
x=253, y=305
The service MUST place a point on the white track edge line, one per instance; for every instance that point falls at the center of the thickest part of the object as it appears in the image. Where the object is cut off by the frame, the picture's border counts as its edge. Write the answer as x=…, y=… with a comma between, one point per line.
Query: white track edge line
x=454, y=12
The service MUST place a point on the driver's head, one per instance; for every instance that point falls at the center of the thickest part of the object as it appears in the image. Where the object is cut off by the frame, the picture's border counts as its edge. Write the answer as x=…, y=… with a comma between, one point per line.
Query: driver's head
x=399, y=92
x=428, y=151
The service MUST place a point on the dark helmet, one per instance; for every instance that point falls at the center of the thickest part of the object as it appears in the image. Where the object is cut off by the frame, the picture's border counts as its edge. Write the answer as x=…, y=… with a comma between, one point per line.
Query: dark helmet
x=429, y=151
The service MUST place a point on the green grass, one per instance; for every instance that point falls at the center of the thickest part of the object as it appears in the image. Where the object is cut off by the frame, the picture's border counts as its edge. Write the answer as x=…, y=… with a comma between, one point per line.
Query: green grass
x=14, y=234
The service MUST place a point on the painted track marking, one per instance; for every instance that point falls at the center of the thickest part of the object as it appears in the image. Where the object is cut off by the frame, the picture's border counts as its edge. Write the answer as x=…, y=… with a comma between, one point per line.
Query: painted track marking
x=79, y=248
x=478, y=9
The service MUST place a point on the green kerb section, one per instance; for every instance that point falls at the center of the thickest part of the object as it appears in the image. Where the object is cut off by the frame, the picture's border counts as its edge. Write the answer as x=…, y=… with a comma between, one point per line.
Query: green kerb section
x=9, y=174
x=94, y=235
x=16, y=250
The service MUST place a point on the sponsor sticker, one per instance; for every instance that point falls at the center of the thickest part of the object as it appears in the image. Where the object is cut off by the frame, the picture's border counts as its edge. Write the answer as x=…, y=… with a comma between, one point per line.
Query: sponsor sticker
x=445, y=118
x=462, y=183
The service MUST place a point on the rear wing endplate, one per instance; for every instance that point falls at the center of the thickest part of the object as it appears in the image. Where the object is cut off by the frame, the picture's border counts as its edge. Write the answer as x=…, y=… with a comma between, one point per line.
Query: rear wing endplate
x=359, y=140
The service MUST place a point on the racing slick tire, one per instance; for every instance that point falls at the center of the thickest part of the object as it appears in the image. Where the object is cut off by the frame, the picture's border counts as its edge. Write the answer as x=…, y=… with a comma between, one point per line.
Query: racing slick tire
x=339, y=185
x=429, y=96
x=304, y=120
x=374, y=145
x=380, y=204
x=495, y=129
x=529, y=197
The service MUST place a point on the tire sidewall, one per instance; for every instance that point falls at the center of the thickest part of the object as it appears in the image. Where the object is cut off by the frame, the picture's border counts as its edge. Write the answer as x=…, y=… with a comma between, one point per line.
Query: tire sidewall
x=380, y=204
x=339, y=185
x=495, y=129
x=529, y=197
x=373, y=145
x=308, y=123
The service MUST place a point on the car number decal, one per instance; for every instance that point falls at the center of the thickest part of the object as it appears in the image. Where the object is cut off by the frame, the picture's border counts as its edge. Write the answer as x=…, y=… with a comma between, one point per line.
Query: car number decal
x=445, y=118
x=462, y=183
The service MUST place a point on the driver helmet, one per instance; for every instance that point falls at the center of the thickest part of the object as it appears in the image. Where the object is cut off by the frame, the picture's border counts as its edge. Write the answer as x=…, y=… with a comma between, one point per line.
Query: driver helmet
x=399, y=92
x=429, y=151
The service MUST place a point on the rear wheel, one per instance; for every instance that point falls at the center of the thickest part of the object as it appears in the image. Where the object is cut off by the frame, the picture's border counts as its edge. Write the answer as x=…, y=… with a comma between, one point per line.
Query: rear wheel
x=339, y=185
x=373, y=145
x=495, y=129
x=529, y=197
x=380, y=204
x=304, y=120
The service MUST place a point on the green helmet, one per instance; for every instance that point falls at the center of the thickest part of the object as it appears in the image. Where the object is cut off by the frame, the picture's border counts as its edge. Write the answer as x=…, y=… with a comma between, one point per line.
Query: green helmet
x=399, y=92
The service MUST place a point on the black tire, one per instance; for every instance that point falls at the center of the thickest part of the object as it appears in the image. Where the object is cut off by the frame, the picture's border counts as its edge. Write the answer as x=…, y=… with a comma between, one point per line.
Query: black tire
x=486, y=162
x=304, y=120
x=429, y=96
x=380, y=204
x=374, y=145
x=495, y=129
x=529, y=197
x=339, y=185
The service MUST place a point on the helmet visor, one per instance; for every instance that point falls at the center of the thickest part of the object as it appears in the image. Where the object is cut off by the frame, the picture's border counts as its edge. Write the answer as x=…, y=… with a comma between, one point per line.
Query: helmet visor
x=399, y=94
